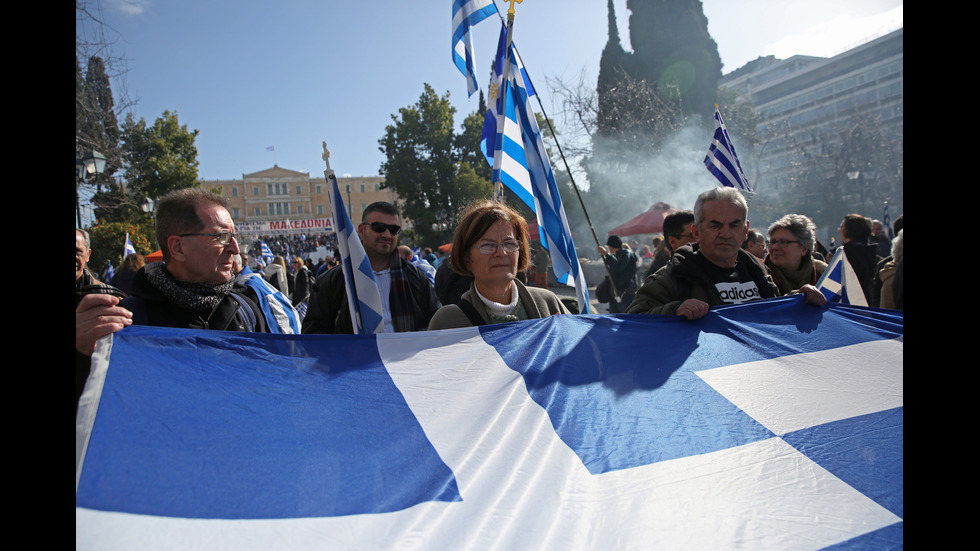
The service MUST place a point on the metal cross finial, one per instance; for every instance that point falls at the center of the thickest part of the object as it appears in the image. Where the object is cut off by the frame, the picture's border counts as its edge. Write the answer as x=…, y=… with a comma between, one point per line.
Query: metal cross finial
x=510, y=11
x=326, y=155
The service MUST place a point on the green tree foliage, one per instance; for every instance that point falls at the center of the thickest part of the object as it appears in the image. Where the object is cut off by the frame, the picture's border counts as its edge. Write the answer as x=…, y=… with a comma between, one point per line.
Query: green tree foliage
x=109, y=238
x=160, y=158
x=430, y=167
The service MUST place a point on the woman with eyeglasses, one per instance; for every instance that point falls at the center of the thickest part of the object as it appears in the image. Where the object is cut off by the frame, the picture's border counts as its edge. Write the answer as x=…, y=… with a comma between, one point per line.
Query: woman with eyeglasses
x=491, y=244
x=790, y=259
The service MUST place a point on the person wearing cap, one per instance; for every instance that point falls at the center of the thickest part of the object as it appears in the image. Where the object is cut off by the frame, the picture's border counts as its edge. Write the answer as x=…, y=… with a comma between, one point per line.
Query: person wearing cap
x=622, y=265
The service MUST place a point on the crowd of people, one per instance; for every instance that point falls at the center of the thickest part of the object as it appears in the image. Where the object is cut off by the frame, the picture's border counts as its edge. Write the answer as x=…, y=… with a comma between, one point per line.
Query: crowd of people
x=707, y=256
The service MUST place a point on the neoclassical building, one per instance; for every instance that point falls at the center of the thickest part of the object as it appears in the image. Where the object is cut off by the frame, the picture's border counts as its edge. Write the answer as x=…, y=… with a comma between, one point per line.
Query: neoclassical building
x=282, y=201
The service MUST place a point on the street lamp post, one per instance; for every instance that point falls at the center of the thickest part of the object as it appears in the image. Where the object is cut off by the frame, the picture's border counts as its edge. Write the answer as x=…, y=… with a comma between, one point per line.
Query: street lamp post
x=92, y=162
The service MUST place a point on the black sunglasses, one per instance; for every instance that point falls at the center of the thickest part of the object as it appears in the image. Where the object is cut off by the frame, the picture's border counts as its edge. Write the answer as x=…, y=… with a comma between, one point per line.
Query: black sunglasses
x=380, y=227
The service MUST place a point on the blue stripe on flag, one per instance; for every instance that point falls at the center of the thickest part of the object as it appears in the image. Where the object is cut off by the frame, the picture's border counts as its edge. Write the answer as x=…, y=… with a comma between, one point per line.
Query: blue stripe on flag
x=467, y=13
x=220, y=432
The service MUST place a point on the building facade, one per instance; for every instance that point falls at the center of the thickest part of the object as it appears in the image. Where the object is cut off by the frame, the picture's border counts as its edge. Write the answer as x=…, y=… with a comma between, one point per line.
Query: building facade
x=806, y=104
x=285, y=202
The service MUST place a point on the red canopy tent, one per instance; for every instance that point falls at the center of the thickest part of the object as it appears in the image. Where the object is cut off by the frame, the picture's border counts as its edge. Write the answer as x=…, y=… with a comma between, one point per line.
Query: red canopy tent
x=154, y=256
x=651, y=221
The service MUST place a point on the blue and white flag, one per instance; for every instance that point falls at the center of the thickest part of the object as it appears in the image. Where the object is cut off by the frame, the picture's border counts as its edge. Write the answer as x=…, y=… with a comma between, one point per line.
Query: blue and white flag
x=752, y=429
x=280, y=316
x=267, y=255
x=721, y=159
x=466, y=14
x=128, y=248
x=520, y=162
x=363, y=294
x=839, y=283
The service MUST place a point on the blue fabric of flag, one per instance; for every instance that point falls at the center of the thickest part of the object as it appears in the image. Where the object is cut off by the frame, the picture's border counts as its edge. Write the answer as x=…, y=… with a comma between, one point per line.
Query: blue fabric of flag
x=466, y=14
x=520, y=162
x=288, y=441
x=363, y=295
x=767, y=425
x=721, y=159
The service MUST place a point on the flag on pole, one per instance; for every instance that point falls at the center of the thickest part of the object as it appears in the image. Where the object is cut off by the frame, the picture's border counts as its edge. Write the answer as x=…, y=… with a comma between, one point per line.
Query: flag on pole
x=467, y=13
x=128, y=248
x=267, y=255
x=270, y=148
x=753, y=429
x=512, y=139
x=839, y=283
x=721, y=159
x=886, y=220
x=363, y=294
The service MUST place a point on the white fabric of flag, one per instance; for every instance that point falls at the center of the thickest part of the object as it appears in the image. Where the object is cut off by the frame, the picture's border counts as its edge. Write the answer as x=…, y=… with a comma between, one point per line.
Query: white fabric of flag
x=767, y=425
x=521, y=163
x=466, y=14
x=839, y=283
x=128, y=248
x=721, y=159
x=363, y=295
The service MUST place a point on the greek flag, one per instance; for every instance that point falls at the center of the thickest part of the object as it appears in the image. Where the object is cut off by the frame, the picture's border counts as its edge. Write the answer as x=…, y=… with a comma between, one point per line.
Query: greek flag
x=520, y=162
x=128, y=248
x=767, y=425
x=467, y=13
x=267, y=255
x=839, y=283
x=363, y=294
x=280, y=316
x=721, y=159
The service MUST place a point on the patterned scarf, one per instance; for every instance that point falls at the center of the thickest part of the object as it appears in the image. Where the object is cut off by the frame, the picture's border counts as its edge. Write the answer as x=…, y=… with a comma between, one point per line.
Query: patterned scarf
x=400, y=298
x=197, y=297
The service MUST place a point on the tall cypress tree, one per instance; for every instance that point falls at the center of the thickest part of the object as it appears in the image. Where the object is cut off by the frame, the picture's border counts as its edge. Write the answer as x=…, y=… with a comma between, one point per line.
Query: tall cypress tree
x=96, y=125
x=672, y=47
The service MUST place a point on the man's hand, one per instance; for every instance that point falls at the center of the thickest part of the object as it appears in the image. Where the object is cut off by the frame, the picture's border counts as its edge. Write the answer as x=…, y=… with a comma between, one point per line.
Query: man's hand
x=693, y=309
x=97, y=316
x=602, y=250
x=812, y=295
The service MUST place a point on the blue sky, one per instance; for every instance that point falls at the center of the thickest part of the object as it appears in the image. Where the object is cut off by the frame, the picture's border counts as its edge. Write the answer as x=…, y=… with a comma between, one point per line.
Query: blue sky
x=293, y=73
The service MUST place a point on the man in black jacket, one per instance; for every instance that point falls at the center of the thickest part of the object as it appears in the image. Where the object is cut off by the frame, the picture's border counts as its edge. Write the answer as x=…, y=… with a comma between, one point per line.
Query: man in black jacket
x=622, y=269
x=408, y=299
x=193, y=287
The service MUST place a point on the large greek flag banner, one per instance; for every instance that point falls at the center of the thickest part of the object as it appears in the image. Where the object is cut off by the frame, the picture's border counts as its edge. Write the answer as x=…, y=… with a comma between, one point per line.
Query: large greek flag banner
x=767, y=425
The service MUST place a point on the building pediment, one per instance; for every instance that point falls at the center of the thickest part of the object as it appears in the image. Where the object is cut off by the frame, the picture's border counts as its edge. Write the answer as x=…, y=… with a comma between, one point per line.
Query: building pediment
x=275, y=172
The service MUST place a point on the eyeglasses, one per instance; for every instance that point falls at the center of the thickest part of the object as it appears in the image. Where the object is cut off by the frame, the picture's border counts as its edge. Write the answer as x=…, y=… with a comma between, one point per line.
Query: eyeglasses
x=781, y=242
x=490, y=248
x=222, y=238
x=380, y=227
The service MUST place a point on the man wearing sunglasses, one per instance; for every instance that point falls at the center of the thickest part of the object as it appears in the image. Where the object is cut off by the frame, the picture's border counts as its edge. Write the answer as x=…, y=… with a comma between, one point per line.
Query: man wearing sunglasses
x=408, y=298
x=193, y=287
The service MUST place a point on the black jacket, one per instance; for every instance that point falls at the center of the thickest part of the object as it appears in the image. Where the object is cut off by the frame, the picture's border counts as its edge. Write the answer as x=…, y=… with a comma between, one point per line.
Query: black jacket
x=329, y=311
x=238, y=311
